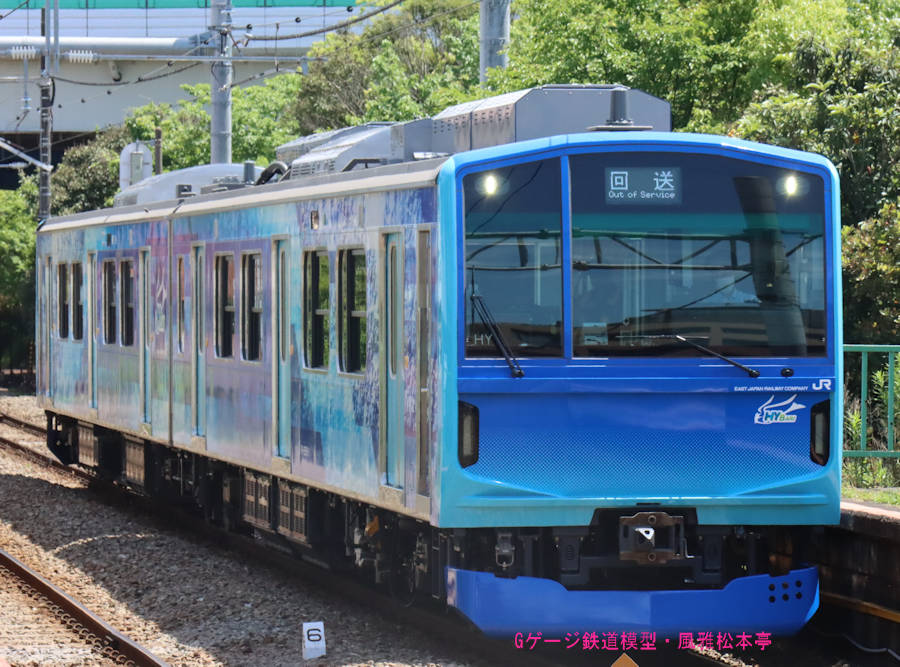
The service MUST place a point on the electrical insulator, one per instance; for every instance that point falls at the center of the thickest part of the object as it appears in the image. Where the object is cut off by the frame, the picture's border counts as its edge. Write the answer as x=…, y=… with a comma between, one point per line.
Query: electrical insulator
x=81, y=56
x=23, y=52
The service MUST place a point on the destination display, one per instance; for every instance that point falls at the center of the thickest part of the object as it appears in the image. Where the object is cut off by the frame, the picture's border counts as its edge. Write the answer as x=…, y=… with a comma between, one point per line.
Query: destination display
x=643, y=185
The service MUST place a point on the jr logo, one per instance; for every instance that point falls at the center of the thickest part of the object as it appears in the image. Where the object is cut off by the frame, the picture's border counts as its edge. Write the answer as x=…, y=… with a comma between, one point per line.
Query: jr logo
x=822, y=385
x=777, y=413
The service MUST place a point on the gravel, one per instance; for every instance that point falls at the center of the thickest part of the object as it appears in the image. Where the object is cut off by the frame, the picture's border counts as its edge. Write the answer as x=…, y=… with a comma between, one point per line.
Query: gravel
x=188, y=602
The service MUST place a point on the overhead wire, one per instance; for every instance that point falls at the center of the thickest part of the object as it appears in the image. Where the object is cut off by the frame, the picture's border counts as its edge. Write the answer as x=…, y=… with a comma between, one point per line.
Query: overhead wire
x=417, y=23
x=331, y=28
x=263, y=75
x=287, y=20
x=19, y=6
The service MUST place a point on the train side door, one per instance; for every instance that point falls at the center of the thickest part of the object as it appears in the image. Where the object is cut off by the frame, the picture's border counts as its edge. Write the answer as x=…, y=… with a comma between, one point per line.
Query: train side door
x=198, y=349
x=92, y=326
x=46, y=325
x=423, y=346
x=281, y=349
x=146, y=346
x=393, y=381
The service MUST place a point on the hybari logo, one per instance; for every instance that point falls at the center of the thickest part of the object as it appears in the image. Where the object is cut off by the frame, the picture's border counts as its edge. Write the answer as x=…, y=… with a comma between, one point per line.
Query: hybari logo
x=777, y=413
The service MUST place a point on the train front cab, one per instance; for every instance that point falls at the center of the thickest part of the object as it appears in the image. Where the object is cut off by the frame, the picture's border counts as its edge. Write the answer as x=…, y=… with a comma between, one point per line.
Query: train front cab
x=645, y=355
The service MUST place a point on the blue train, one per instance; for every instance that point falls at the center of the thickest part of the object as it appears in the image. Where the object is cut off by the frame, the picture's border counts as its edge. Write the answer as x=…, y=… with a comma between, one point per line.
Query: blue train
x=561, y=380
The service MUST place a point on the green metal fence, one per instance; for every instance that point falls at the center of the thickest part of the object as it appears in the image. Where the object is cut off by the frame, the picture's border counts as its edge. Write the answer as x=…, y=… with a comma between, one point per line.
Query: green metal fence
x=883, y=404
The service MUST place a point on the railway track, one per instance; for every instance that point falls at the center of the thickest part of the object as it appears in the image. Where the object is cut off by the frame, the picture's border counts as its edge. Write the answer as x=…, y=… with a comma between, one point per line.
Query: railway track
x=98, y=639
x=22, y=425
x=419, y=618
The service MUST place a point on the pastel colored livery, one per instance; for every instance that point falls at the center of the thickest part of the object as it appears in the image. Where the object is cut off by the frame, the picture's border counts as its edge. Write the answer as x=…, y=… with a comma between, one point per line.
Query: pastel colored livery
x=562, y=376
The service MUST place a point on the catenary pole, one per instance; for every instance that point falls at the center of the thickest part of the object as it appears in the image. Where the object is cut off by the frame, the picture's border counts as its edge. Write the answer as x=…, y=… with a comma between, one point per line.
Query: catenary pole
x=221, y=76
x=46, y=119
x=494, y=39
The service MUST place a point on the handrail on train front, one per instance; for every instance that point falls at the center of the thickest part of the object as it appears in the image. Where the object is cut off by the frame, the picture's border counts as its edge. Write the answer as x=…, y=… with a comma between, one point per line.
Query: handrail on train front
x=890, y=379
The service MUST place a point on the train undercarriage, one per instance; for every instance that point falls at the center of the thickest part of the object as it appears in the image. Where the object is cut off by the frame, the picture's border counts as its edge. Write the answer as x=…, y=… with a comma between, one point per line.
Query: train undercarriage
x=644, y=548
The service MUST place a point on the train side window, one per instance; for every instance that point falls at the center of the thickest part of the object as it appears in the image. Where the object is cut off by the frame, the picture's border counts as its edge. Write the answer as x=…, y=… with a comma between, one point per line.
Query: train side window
x=251, y=306
x=316, y=308
x=200, y=313
x=180, y=310
x=109, y=301
x=352, y=310
x=77, y=302
x=224, y=306
x=62, y=300
x=284, y=317
x=126, y=294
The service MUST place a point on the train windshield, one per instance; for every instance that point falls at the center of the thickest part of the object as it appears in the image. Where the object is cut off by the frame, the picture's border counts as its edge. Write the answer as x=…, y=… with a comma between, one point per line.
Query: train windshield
x=727, y=253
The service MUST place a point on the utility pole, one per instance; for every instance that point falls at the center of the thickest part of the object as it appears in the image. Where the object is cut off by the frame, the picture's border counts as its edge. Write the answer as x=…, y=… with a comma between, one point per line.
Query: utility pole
x=157, y=151
x=494, y=18
x=46, y=119
x=221, y=71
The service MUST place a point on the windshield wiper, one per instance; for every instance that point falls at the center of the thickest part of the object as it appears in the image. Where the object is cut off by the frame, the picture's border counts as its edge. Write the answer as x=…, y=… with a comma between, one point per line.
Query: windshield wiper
x=752, y=372
x=481, y=308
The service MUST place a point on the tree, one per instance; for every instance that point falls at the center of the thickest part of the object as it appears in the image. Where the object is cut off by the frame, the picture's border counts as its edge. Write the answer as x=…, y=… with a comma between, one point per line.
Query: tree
x=260, y=122
x=405, y=64
x=334, y=90
x=871, y=262
x=88, y=175
x=17, y=210
x=842, y=103
x=705, y=57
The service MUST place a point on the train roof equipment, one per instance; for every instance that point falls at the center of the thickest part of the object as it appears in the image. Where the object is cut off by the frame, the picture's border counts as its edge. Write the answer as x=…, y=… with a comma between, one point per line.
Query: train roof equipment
x=518, y=116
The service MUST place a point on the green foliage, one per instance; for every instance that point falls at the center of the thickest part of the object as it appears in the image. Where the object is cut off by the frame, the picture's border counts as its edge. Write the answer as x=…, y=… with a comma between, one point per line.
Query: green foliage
x=334, y=90
x=260, y=123
x=871, y=269
x=705, y=57
x=388, y=96
x=185, y=131
x=88, y=175
x=840, y=102
x=406, y=64
x=17, y=273
x=872, y=472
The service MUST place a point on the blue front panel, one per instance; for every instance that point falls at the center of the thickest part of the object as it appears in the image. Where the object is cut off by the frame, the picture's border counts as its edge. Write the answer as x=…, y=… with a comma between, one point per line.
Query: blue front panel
x=554, y=450
x=639, y=445
x=502, y=607
x=578, y=433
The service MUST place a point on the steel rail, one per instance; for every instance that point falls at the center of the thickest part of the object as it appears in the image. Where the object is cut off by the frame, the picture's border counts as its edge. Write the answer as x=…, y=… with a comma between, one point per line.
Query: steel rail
x=109, y=636
x=22, y=425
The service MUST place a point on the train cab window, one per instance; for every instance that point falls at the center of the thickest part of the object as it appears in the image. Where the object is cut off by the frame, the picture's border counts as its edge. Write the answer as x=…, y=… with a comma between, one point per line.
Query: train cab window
x=179, y=314
x=126, y=297
x=352, y=310
x=726, y=252
x=513, y=260
x=109, y=301
x=224, y=306
x=62, y=300
x=251, y=306
x=77, y=302
x=316, y=308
